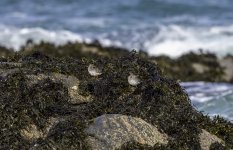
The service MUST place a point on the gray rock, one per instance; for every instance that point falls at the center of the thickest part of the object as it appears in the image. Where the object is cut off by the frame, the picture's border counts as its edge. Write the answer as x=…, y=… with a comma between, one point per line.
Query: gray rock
x=200, y=68
x=206, y=139
x=111, y=131
x=227, y=64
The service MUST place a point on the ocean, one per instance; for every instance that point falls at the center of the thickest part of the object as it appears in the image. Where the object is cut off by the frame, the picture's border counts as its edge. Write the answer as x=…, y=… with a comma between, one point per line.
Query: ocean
x=170, y=27
x=211, y=98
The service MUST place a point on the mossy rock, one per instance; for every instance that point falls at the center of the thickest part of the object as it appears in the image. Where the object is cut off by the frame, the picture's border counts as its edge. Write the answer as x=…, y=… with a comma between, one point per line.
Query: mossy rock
x=157, y=100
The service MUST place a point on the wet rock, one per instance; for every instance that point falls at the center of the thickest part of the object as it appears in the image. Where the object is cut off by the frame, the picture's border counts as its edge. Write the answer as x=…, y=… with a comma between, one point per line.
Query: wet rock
x=111, y=131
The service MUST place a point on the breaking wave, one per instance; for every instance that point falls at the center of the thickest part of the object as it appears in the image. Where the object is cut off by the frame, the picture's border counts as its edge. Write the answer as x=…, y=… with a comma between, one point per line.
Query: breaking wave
x=211, y=98
x=172, y=40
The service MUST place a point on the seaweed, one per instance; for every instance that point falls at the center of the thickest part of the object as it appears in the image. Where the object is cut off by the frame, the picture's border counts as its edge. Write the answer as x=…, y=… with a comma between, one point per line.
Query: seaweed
x=67, y=134
x=181, y=68
x=22, y=106
x=220, y=127
x=157, y=99
x=217, y=146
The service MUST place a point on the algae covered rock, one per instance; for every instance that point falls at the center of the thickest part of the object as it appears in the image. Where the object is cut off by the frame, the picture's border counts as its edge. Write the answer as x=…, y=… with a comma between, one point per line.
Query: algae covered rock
x=112, y=131
x=197, y=66
x=194, y=67
x=70, y=82
x=156, y=113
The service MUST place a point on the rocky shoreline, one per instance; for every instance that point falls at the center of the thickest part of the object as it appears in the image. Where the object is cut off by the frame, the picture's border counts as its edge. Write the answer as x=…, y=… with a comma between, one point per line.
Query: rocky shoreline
x=50, y=101
x=200, y=66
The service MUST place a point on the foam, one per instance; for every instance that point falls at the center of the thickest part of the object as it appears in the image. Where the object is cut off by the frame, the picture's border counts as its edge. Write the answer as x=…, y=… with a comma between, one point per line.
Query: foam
x=171, y=40
x=211, y=98
x=13, y=37
x=174, y=40
x=16, y=37
x=201, y=92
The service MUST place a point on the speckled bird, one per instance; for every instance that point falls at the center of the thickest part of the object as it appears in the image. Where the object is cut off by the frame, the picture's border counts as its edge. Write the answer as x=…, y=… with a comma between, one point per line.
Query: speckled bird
x=94, y=70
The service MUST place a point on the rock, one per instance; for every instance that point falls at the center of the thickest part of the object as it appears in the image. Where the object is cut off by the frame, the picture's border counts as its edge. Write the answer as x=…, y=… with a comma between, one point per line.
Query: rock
x=227, y=63
x=200, y=68
x=206, y=139
x=111, y=131
x=33, y=93
x=32, y=132
x=70, y=82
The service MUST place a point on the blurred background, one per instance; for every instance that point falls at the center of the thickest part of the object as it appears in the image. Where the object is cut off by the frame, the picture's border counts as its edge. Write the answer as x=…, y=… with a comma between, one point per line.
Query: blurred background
x=170, y=27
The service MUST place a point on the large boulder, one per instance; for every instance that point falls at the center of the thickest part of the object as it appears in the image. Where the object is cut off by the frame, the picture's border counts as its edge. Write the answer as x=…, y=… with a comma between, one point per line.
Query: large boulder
x=111, y=131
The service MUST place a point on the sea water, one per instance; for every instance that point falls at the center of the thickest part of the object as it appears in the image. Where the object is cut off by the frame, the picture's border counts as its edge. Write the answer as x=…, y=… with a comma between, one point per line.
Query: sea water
x=171, y=27
x=211, y=98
